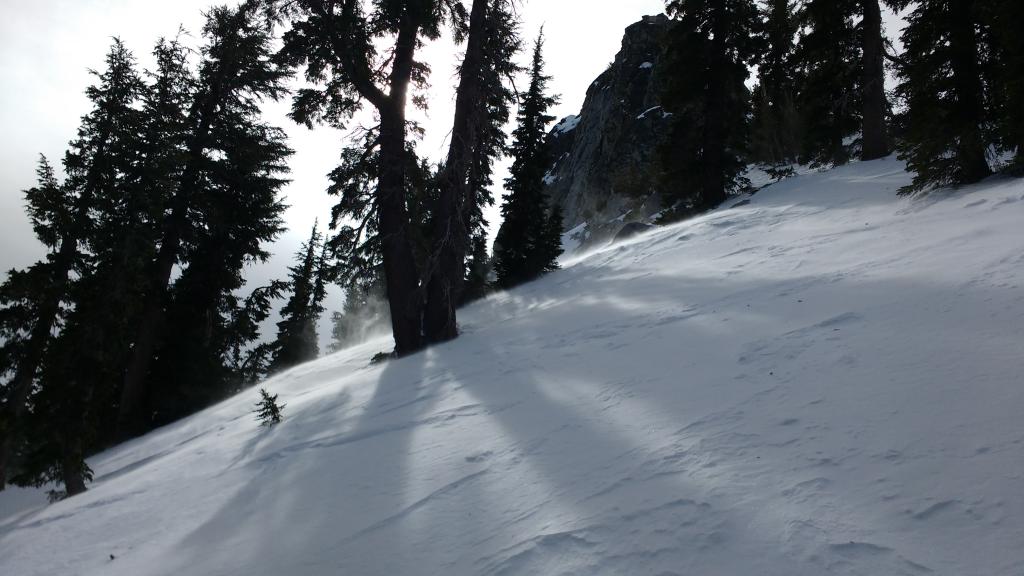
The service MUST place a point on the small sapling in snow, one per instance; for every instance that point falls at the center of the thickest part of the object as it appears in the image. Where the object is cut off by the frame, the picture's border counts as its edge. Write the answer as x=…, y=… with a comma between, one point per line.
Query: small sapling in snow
x=268, y=412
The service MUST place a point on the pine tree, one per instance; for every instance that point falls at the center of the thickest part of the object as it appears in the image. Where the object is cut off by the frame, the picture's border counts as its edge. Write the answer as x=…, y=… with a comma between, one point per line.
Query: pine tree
x=30, y=307
x=482, y=105
x=71, y=219
x=246, y=363
x=712, y=47
x=875, y=130
x=296, y=337
x=339, y=44
x=478, y=271
x=944, y=137
x=223, y=205
x=268, y=411
x=776, y=124
x=524, y=250
x=830, y=75
x=1005, y=69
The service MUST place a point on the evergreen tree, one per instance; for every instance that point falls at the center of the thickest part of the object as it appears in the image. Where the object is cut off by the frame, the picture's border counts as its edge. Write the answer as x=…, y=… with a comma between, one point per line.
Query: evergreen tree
x=830, y=74
x=524, y=250
x=875, y=130
x=1005, y=68
x=223, y=206
x=776, y=125
x=712, y=47
x=296, y=336
x=30, y=308
x=71, y=219
x=338, y=42
x=944, y=137
x=248, y=364
x=268, y=411
x=478, y=271
x=482, y=108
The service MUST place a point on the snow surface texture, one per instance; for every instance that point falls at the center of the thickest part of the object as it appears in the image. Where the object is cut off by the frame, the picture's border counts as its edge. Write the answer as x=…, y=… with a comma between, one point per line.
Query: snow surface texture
x=826, y=380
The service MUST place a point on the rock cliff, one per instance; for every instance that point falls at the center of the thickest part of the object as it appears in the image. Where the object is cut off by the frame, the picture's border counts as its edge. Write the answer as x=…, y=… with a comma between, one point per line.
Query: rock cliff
x=604, y=172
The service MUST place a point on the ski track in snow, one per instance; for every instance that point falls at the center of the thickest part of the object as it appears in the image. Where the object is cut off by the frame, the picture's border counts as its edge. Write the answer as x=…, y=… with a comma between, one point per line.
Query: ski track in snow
x=826, y=380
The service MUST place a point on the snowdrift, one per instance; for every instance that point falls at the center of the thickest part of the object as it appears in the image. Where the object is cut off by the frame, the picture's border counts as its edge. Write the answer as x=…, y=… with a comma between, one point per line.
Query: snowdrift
x=826, y=380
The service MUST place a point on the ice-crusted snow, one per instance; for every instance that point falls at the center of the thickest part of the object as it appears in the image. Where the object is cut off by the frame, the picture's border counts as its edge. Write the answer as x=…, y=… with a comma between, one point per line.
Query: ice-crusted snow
x=826, y=380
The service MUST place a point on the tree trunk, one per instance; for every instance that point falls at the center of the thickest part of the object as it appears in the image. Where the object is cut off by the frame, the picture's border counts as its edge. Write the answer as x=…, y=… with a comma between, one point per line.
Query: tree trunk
x=131, y=419
x=875, y=140
x=400, y=273
x=713, y=190
x=451, y=231
x=72, y=470
x=969, y=112
x=405, y=298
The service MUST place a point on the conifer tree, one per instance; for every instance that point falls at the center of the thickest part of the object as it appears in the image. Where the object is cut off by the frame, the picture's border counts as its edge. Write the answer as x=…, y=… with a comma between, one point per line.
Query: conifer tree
x=482, y=108
x=711, y=47
x=478, y=271
x=829, y=63
x=246, y=363
x=523, y=250
x=29, y=302
x=268, y=411
x=229, y=179
x=944, y=136
x=1005, y=69
x=875, y=130
x=296, y=336
x=776, y=125
x=338, y=42
x=99, y=166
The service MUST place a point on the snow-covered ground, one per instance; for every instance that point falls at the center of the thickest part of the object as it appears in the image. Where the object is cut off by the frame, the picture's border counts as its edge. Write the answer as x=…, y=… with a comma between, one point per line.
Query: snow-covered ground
x=827, y=380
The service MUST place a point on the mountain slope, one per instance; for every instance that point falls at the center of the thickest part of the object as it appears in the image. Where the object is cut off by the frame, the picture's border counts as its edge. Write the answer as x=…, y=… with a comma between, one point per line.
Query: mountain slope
x=823, y=381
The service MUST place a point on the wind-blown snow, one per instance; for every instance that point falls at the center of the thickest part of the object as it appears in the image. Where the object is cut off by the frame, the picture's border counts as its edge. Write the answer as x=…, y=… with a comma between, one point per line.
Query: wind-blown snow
x=824, y=381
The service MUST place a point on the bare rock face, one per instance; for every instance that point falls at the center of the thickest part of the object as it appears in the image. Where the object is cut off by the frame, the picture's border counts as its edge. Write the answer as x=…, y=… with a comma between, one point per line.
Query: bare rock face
x=605, y=171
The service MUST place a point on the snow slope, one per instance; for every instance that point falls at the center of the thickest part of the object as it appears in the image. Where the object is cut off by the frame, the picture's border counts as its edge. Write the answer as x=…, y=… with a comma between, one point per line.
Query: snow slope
x=824, y=381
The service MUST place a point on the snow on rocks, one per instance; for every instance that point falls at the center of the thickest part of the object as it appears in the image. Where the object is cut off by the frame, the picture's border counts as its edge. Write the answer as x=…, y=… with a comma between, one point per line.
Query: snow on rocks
x=568, y=124
x=823, y=381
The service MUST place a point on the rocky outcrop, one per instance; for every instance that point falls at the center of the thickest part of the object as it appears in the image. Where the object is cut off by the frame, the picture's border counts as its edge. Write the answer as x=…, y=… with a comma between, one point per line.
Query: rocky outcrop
x=604, y=173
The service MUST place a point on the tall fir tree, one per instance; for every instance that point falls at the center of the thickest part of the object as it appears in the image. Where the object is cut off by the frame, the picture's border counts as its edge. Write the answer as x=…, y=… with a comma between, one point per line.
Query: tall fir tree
x=712, y=47
x=875, y=104
x=31, y=307
x=82, y=222
x=1004, y=67
x=830, y=98
x=296, y=332
x=481, y=107
x=224, y=198
x=944, y=126
x=503, y=44
x=776, y=123
x=526, y=246
x=355, y=54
